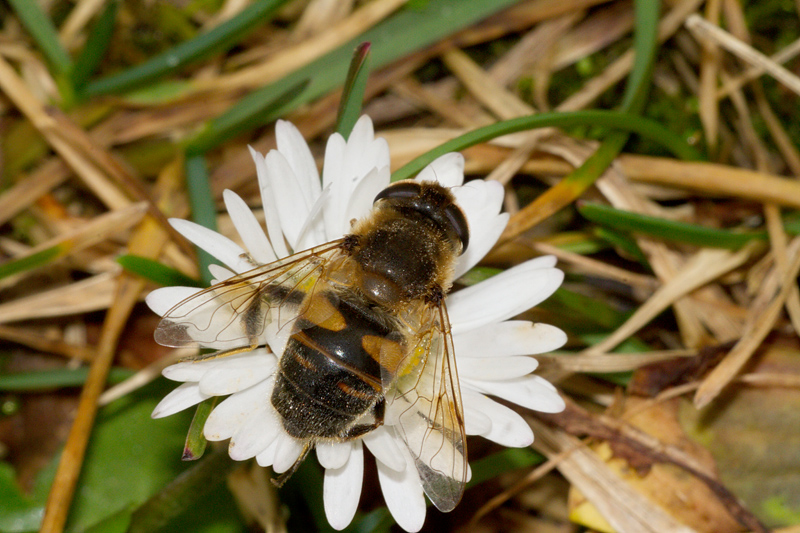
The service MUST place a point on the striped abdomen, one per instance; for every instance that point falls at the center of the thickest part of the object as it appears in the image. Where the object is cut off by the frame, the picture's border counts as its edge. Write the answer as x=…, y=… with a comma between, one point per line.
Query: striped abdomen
x=330, y=373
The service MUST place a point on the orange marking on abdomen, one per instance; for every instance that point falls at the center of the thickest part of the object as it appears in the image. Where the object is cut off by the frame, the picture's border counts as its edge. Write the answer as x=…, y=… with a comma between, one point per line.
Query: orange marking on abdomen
x=353, y=392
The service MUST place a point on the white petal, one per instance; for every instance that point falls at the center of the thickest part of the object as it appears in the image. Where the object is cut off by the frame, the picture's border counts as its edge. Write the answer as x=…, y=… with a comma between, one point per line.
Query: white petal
x=476, y=422
x=384, y=445
x=162, y=300
x=255, y=435
x=229, y=415
x=507, y=427
x=403, y=494
x=313, y=231
x=481, y=202
x=292, y=206
x=220, y=273
x=268, y=201
x=333, y=178
x=447, y=170
x=287, y=453
x=347, y=164
x=342, y=488
x=479, y=199
x=181, y=398
x=364, y=152
x=509, y=338
x=505, y=295
x=496, y=368
x=333, y=454
x=295, y=149
x=236, y=374
x=530, y=391
x=212, y=242
x=189, y=370
x=480, y=242
x=267, y=457
x=364, y=194
x=253, y=237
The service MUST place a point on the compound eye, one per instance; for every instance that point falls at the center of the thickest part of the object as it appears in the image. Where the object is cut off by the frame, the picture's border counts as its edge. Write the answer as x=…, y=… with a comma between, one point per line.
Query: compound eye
x=401, y=189
x=459, y=223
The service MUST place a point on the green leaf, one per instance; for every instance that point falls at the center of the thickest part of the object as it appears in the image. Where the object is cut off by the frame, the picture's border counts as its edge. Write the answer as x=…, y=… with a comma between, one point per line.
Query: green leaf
x=18, y=513
x=179, y=495
x=116, y=523
x=668, y=230
x=156, y=272
x=130, y=457
x=353, y=94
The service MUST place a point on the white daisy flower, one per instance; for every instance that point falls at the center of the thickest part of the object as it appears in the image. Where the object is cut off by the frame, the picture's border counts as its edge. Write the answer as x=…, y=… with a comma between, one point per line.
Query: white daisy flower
x=302, y=211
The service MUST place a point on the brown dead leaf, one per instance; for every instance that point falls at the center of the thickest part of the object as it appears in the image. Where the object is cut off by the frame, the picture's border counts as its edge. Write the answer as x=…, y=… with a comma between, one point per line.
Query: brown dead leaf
x=753, y=434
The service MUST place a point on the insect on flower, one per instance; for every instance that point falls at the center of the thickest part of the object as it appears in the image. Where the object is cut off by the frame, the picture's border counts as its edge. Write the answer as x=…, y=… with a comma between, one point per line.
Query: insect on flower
x=367, y=326
x=353, y=342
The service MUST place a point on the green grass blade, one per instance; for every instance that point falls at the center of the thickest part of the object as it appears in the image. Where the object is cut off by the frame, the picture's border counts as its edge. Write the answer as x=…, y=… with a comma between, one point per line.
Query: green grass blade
x=204, y=212
x=353, y=94
x=96, y=45
x=34, y=260
x=621, y=121
x=196, y=441
x=590, y=309
x=156, y=272
x=624, y=243
x=645, y=46
x=44, y=33
x=218, y=39
x=668, y=230
x=55, y=379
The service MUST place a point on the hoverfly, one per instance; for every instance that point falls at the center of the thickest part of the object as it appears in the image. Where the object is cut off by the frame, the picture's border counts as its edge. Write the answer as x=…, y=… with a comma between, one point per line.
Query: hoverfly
x=361, y=332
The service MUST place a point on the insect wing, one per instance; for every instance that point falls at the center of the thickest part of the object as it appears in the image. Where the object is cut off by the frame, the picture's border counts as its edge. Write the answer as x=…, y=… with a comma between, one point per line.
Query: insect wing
x=424, y=405
x=244, y=309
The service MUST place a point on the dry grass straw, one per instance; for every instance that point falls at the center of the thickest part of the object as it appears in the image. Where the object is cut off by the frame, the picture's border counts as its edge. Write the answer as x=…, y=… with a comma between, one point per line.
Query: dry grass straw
x=305, y=51
x=147, y=241
x=699, y=285
x=626, y=510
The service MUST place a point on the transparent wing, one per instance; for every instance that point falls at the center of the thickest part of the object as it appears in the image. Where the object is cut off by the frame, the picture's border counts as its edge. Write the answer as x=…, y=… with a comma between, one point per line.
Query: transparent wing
x=424, y=405
x=238, y=311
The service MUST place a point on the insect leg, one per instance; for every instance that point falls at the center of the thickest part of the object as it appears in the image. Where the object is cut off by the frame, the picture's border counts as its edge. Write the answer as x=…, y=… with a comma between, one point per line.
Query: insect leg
x=283, y=478
x=362, y=429
x=221, y=353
